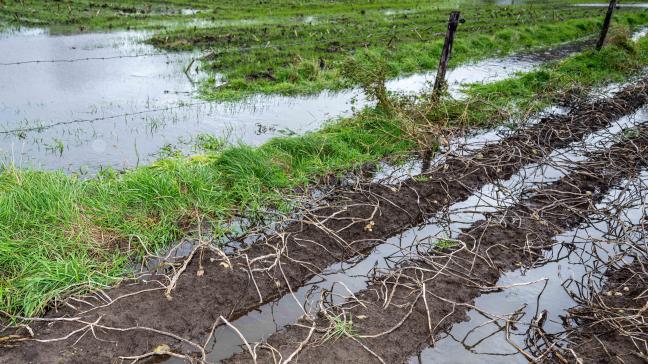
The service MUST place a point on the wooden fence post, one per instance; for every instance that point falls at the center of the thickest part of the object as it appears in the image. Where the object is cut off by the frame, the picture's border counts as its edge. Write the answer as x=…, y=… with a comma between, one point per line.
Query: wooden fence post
x=606, y=24
x=439, y=81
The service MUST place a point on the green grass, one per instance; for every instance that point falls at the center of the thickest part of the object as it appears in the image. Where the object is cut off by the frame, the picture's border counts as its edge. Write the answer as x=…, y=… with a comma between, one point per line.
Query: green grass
x=446, y=244
x=76, y=15
x=340, y=327
x=307, y=59
x=300, y=47
x=60, y=234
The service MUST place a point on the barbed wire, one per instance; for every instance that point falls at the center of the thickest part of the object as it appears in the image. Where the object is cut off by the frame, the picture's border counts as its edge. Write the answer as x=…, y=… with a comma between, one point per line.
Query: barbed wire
x=92, y=120
x=72, y=60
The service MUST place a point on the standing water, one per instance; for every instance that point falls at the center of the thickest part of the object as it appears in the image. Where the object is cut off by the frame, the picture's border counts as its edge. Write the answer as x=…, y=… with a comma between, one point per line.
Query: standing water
x=107, y=99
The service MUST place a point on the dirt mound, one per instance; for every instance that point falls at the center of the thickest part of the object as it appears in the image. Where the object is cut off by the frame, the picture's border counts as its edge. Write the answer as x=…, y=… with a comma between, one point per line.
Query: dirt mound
x=610, y=326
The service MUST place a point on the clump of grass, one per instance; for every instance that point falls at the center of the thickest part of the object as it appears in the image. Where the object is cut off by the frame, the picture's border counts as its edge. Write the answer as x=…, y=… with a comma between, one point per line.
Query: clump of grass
x=370, y=71
x=443, y=246
x=340, y=327
x=446, y=244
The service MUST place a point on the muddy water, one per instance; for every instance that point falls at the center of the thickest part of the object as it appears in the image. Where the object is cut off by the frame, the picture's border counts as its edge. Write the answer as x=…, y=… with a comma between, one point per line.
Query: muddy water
x=481, y=338
x=111, y=107
x=347, y=277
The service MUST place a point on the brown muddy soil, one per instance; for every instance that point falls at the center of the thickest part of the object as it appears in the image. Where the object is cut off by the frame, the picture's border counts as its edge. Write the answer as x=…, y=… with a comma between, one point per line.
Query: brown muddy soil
x=612, y=326
x=136, y=318
x=399, y=314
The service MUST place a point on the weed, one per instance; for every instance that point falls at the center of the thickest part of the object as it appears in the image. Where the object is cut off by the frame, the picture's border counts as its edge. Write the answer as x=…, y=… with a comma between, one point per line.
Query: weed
x=445, y=244
x=628, y=134
x=208, y=142
x=57, y=146
x=340, y=327
x=370, y=71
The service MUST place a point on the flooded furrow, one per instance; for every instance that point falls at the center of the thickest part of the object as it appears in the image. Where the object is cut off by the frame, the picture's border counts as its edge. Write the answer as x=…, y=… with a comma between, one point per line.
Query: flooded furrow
x=529, y=292
x=496, y=243
x=342, y=279
x=110, y=100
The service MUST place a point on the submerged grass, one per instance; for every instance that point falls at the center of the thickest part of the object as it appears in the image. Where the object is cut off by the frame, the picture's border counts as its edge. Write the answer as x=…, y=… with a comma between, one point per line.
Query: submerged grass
x=59, y=234
x=299, y=59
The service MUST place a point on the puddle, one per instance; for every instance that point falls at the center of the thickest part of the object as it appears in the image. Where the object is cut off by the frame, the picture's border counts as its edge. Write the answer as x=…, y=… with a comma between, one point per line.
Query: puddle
x=511, y=2
x=119, y=109
x=489, y=70
x=605, y=5
x=352, y=276
x=640, y=33
x=480, y=340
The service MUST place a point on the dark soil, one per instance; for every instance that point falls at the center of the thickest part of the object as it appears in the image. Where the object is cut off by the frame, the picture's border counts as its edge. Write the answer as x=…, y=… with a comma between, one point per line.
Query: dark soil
x=503, y=242
x=303, y=249
x=605, y=326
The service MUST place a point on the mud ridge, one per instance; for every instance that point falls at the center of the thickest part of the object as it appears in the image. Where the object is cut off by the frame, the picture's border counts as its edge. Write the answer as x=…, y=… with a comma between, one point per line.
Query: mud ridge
x=610, y=326
x=136, y=318
x=400, y=313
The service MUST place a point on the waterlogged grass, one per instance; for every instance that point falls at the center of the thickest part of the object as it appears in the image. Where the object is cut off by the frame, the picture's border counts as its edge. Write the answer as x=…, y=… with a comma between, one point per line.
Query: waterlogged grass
x=309, y=58
x=306, y=59
x=59, y=234
x=300, y=47
x=75, y=15
x=101, y=15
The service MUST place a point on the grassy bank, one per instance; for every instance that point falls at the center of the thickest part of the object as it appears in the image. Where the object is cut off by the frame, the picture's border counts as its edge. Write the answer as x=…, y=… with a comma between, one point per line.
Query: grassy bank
x=59, y=234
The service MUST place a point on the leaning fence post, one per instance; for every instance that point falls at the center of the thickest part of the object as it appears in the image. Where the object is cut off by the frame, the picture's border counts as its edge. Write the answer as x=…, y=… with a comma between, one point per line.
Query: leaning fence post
x=606, y=24
x=439, y=81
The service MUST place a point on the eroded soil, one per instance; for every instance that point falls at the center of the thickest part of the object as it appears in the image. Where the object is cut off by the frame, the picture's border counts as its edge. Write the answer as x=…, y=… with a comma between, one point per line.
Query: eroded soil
x=402, y=312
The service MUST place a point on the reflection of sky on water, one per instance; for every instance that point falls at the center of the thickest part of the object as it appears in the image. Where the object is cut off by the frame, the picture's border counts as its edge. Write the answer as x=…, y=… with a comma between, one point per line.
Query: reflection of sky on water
x=121, y=111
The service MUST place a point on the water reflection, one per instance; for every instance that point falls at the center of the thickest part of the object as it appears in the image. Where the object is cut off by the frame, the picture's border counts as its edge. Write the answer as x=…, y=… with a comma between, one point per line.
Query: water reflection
x=113, y=107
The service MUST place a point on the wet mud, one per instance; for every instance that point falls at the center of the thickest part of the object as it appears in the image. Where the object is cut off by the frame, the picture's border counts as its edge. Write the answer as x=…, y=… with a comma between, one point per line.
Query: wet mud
x=610, y=327
x=405, y=310
x=525, y=320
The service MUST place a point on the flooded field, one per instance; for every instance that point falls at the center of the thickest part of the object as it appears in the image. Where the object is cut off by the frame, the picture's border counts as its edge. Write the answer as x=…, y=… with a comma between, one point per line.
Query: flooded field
x=276, y=182
x=454, y=250
x=343, y=279
x=87, y=101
